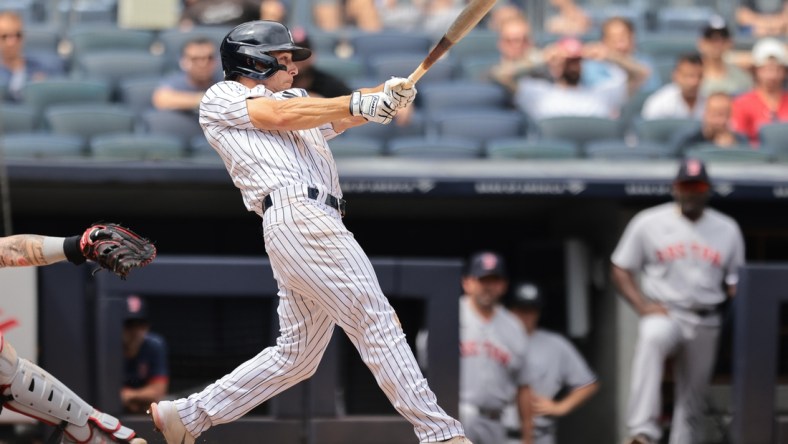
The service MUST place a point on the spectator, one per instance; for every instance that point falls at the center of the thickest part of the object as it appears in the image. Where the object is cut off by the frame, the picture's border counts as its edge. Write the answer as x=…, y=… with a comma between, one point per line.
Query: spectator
x=715, y=127
x=273, y=10
x=519, y=57
x=569, y=19
x=315, y=81
x=145, y=354
x=16, y=67
x=555, y=367
x=566, y=96
x=681, y=98
x=616, y=52
x=768, y=102
x=718, y=74
x=183, y=90
x=430, y=16
x=763, y=18
x=218, y=12
x=492, y=353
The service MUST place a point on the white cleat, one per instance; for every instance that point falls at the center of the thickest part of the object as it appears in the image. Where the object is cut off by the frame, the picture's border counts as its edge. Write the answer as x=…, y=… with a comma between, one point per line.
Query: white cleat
x=167, y=421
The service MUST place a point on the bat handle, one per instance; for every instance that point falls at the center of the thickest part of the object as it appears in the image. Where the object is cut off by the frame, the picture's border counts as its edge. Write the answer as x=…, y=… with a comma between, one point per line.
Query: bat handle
x=416, y=75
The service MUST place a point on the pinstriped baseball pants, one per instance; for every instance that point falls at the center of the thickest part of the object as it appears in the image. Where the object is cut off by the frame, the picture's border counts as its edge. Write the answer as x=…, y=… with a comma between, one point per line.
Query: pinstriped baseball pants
x=325, y=279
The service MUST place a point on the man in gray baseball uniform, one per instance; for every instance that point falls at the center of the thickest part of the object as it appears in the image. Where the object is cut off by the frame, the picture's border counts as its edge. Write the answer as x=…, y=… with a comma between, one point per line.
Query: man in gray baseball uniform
x=687, y=257
x=554, y=367
x=273, y=141
x=492, y=352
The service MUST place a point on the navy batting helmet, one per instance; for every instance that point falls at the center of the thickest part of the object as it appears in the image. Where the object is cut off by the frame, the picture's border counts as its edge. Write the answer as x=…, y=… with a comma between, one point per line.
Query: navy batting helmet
x=246, y=49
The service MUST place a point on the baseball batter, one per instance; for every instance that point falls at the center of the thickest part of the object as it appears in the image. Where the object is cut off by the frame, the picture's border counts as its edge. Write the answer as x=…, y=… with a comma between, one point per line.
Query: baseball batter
x=272, y=139
x=492, y=348
x=27, y=388
x=687, y=256
x=554, y=365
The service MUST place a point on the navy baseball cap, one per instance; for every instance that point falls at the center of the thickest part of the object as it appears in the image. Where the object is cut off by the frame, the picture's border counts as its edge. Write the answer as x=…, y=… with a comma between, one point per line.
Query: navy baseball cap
x=486, y=263
x=136, y=309
x=527, y=295
x=716, y=27
x=692, y=170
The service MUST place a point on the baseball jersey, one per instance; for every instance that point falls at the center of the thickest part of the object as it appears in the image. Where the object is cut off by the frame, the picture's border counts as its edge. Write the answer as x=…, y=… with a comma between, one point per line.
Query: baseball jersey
x=149, y=364
x=683, y=263
x=262, y=161
x=492, y=357
x=554, y=364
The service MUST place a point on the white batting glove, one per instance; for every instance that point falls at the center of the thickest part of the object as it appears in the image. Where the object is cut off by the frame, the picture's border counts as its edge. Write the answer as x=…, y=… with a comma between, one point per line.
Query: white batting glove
x=375, y=107
x=401, y=90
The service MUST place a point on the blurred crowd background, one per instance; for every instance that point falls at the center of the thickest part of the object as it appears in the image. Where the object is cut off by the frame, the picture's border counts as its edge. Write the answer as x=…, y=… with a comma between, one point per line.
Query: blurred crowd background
x=116, y=79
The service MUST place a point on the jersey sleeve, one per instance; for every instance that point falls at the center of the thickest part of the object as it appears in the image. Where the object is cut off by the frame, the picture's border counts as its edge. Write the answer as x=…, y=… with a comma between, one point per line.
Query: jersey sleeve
x=159, y=365
x=577, y=373
x=224, y=104
x=629, y=253
x=736, y=260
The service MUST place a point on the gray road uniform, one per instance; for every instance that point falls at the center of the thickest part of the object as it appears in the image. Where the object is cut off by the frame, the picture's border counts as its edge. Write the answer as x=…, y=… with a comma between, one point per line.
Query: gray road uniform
x=492, y=367
x=682, y=265
x=554, y=364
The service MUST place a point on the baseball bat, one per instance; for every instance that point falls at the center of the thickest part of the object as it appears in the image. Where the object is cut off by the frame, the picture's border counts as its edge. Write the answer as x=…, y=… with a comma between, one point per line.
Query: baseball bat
x=467, y=20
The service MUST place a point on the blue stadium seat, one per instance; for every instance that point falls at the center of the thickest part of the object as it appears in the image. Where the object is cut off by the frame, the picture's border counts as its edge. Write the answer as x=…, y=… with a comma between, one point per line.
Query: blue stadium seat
x=619, y=150
x=667, y=45
x=382, y=67
x=45, y=93
x=480, y=126
x=114, y=67
x=137, y=93
x=366, y=45
x=41, y=38
x=16, y=118
x=580, y=130
x=89, y=120
x=459, y=95
x=345, y=69
x=522, y=148
x=202, y=151
x=774, y=138
x=173, y=40
x=349, y=146
x=478, y=67
x=435, y=148
x=181, y=124
x=101, y=38
x=689, y=20
x=662, y=130
x=711, y=153
x=479, y=42
x=42, y=146
x=125, y=146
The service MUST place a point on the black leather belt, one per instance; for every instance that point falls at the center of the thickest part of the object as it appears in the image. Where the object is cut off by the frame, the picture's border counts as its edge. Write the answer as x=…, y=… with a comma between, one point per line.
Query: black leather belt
x=331, y=200
x=704, y=312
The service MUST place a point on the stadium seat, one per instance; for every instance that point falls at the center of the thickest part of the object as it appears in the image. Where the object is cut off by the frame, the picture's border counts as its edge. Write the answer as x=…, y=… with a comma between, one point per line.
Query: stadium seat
x=630, y=112
x=201, y=150
x=662, y=130
x=774, y=137
x=480, y=126
x=688, y=20
x=521, y=148
x=459, y=95
x=89, y=120
x=43, y=94
x=479, y=42
x=41, y=38
x=579, y=130
x=172, y=41
x=85, y=13
x=619, y=150
x=382, y=67
x=102, y=38
x=115, y=67
x=16, y=119
x=349, y=146
x=478, y=67
x=137, y=147
x=345, y=69
x=366, y=45
x=712, y=153
x=666, y=45
x=181, y=124
x=137, y=93
x=41, y=146
x=384, y=133
x=435, y=148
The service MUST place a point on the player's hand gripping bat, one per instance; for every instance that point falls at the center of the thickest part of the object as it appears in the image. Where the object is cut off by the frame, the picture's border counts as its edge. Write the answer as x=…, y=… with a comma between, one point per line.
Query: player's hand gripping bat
x=467, y=20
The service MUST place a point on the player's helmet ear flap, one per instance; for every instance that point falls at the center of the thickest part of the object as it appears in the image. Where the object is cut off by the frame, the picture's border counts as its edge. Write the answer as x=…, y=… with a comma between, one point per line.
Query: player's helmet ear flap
x=246, y=49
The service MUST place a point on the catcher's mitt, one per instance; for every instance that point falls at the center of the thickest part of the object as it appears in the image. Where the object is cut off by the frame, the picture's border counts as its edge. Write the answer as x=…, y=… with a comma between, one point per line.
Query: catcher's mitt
x=116, y=248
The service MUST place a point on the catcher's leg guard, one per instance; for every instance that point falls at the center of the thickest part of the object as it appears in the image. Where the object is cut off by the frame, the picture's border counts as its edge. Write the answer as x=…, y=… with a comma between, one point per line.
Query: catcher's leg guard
x=28, y=389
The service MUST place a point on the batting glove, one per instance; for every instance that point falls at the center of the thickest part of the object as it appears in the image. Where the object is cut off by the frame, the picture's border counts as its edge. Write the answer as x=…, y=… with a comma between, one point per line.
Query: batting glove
x=401, y=90
x=375, y=107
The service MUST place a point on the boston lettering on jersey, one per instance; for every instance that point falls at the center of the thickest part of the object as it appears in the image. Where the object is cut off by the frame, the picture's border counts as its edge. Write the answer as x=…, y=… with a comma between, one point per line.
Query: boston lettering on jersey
x=695, y=250
x=474, y=348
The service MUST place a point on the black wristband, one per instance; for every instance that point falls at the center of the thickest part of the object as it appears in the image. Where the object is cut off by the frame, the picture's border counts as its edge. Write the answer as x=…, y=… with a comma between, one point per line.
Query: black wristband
x=72, y=250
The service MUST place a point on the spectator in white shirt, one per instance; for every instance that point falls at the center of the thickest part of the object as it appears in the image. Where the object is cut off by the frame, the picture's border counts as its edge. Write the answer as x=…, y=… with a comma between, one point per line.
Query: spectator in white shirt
x=681, y=98
x=566, y=96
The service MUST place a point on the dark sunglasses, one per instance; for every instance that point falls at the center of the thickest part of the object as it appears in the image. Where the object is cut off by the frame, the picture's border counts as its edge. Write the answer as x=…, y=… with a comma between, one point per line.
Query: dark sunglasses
x=693, y=187
x=8, y=36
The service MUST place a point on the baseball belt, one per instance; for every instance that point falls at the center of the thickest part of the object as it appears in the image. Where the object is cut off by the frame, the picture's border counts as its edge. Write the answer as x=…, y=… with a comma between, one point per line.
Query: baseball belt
x=313, y=193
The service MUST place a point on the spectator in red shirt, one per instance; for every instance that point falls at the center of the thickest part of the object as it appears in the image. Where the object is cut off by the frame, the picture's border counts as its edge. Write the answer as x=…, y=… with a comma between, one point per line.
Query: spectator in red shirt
x=768, y=102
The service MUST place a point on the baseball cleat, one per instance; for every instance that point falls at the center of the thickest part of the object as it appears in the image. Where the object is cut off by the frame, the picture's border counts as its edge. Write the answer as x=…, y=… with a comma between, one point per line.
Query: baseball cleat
x=167, y=421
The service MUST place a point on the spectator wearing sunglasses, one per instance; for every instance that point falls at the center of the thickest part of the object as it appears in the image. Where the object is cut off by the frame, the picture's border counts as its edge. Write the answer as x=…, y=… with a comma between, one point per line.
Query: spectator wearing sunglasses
x=183, y=90
x=16, y=67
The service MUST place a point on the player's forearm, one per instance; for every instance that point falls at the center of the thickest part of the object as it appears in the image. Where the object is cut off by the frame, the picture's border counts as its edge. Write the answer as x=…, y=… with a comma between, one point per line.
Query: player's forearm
x=30, y=249
x=526, y=414
x=298, y=113
x=577, y=397
x=347, y=123
x=625, y=283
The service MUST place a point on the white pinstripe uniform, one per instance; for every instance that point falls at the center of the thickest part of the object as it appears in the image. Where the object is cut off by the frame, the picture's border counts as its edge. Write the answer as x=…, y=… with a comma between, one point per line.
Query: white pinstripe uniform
x=324, y=277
